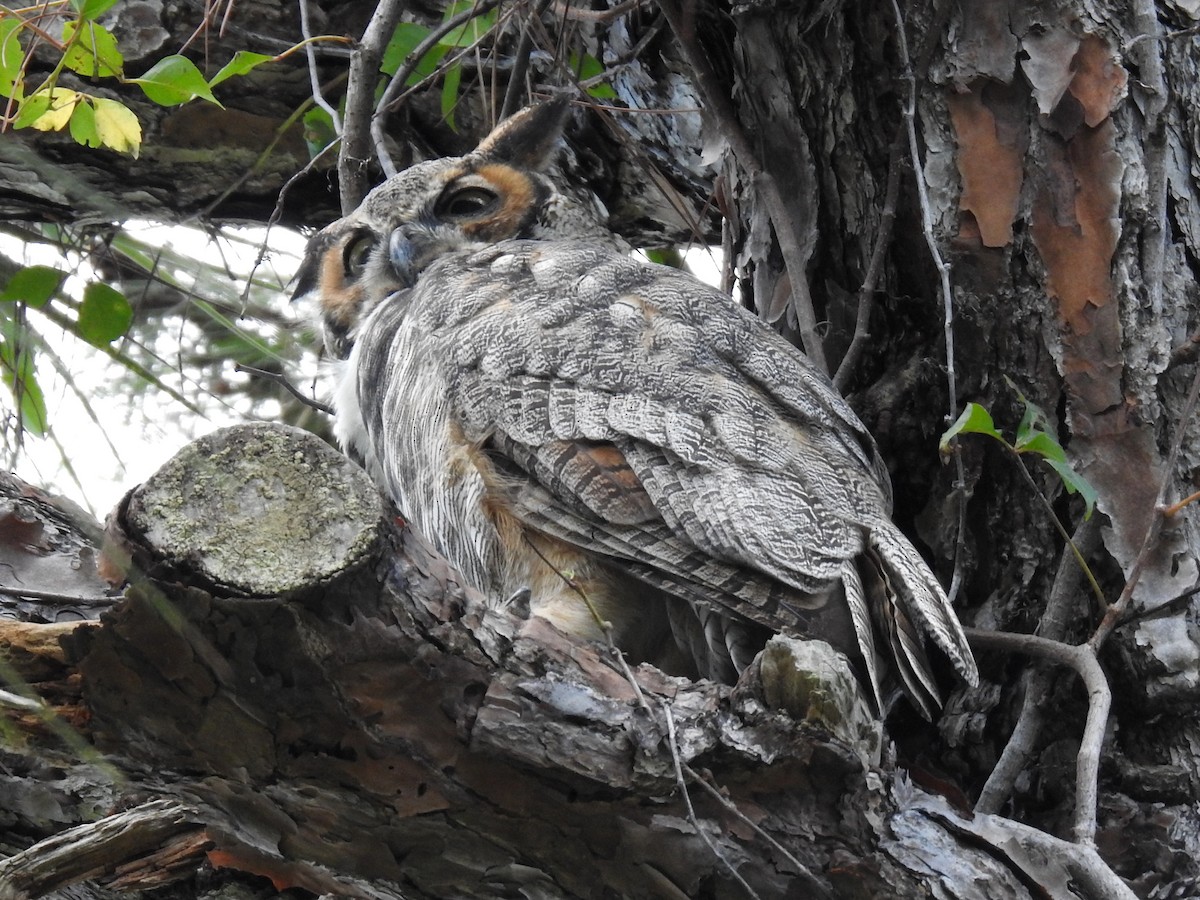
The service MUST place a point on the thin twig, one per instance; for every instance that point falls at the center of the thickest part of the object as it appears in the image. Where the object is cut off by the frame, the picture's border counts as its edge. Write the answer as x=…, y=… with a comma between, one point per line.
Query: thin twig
x=1097, y=591
x=1187, y=352
x=943, y=268
x=30, y=594
x=277, y=212
x=814, y=883
x=681, y=767
x=1081, y=658
x=1018, y=752
x=360, y=97
x=605, y=626
x=287, y=385
x=313, y=79
x=1116, y=612
x=516, y=78
x=393, y=92
x=718, y=102
x=866, y=293
x=581, y=14
x=687, y=801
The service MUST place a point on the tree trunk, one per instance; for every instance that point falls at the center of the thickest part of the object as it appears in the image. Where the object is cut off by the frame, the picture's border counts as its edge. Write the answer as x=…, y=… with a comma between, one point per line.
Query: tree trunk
x=377, y=733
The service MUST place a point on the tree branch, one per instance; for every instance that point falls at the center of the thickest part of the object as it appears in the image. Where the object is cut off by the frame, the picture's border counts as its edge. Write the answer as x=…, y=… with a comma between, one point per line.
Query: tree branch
x=1083, y=660
x=1018, y=752
x=717, y=102
x=360, y=97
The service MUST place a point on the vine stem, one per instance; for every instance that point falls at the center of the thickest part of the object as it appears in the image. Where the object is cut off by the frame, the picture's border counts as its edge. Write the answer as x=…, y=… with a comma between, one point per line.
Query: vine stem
x=1081, y=658
x=943, y=269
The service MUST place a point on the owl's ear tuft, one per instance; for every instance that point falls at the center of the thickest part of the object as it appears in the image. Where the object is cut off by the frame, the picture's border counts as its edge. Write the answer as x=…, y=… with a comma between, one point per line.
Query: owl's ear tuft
x=528, y=138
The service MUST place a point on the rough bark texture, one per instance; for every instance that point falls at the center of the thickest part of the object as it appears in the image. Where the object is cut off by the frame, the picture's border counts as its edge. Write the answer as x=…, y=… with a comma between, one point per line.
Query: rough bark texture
x=376, y=731
x=1059, y=147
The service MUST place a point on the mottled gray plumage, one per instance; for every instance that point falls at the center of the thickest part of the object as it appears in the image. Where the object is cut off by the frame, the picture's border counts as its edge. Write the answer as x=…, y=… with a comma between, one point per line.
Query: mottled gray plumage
x=550, y=413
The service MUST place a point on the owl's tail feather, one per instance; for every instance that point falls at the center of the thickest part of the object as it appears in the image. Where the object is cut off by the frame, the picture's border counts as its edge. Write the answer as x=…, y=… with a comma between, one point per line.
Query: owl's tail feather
x=860, y=613
x=912, y=604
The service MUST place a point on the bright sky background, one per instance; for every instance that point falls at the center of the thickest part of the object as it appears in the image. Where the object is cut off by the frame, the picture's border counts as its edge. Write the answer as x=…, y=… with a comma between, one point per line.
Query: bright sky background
x=131, y=441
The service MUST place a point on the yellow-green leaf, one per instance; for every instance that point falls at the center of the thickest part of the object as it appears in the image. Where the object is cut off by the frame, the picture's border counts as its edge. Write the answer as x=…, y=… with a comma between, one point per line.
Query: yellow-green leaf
x=17, y=371
x=404, y=42
x=472, y=30
x=94, y=52
x=450, y=94
x=1075, y=484
x=588, y=67
x=174, y=80
x=319, y=132
x=117, y=126
x=47, y=110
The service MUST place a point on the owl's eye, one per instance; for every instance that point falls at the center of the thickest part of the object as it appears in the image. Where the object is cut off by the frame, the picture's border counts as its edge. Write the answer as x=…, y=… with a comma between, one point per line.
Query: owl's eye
x=466, y=203
x=354, y=257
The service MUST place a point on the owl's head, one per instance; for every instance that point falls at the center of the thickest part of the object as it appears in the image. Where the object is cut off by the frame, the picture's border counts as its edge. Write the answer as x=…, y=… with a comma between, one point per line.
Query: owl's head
x=498, y=191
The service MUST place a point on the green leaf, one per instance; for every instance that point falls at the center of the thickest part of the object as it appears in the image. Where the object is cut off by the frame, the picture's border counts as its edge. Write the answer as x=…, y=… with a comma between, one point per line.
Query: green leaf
x=587, y=67
x=47, y=110
x=90, y=9
x=104, y=315
x=94, y=52
x=243, y=61
x=404, y=42
x=83, y=125
x=319, y=132
x=450, y=94
x=1075, y=484
x=12, y=58
x=174, y=80
x=665, y=256
x=472, y=30
x=974, y=420
x=117, y=126
x=18, y=372
x=33, y=286
x=1043, y=445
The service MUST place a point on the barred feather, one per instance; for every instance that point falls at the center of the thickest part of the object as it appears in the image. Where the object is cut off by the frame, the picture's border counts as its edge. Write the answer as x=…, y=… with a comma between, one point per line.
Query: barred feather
x=537, y=401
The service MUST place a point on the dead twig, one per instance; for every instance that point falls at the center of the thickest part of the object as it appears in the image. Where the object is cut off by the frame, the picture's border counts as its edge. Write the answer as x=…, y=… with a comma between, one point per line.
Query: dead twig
x=282, y=381
x=1117, y=611
x=719, y=104
x=360, y=97
x=394, y=92
x=691, y=811
x=866, y=293
x=314, y=79
x=943, y=269
x=516, y=80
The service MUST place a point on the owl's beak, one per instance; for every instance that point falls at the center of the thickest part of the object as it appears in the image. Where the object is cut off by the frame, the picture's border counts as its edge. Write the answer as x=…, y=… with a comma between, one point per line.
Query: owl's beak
x=403, y=256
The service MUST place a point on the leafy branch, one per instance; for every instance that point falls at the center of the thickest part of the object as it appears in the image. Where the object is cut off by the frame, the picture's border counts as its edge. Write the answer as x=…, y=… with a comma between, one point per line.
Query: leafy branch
x=90, y=50
x=1033, y=437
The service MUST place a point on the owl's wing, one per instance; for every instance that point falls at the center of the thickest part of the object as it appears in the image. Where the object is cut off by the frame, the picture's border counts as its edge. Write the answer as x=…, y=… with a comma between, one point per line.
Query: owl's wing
x=649, y=419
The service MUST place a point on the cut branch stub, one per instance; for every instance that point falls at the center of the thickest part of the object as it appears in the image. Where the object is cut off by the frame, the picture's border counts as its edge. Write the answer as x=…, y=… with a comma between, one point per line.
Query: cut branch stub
x=260, y=510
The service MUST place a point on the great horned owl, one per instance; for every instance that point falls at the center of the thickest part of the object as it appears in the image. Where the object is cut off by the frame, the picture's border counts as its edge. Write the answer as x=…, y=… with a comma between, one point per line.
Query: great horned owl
x=554, y=415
